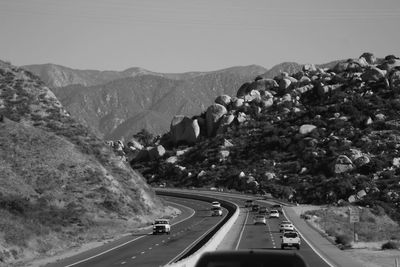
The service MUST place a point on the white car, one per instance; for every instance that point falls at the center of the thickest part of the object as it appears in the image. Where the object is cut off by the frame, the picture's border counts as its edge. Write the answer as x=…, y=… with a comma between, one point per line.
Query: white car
x=290, y=239
x=216, y=204
x=274, y=214
x=161, y=226
x=286, y=226
x=216, y=211
x=260, y=219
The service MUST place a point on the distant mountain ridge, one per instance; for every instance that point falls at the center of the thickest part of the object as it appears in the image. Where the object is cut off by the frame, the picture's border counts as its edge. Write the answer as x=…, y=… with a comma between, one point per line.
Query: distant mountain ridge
x=118, y=104
x=60, y=76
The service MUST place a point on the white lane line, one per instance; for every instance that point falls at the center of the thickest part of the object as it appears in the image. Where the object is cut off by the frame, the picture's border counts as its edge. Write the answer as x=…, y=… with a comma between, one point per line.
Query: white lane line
x=124, y=262
x=150, y=248
x=241, y=232
x=134, y=257
x=142, y=252
x=130, y=241
x=156, y=244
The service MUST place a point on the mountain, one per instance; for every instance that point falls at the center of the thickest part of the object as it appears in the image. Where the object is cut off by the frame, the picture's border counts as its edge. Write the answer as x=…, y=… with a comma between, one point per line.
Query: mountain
x=121, y=107
x=60, y=185
x=326, y=137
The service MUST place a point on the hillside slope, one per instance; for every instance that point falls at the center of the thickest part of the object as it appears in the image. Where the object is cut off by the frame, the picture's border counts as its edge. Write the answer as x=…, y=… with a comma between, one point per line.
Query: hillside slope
x=60, y=185
x=322, y=136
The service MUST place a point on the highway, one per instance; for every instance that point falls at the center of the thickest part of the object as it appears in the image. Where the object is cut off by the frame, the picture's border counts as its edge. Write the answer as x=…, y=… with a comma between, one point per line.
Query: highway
x=145, y=249
x=267, y=237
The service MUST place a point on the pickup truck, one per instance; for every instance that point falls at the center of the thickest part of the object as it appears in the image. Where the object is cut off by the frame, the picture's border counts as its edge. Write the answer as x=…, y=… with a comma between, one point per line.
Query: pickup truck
x=161, y=226
x=290, y=239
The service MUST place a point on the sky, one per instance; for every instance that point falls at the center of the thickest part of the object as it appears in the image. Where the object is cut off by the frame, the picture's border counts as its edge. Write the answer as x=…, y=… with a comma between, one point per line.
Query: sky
x=194, y=35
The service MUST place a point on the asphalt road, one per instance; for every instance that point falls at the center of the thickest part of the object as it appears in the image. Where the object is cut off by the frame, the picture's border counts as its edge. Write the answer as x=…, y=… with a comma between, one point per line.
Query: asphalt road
x=267, y=237
x=145, y=249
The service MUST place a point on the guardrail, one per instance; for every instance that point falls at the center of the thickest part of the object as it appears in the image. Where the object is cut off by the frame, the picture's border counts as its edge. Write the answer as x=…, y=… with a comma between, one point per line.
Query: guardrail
x=213, y=238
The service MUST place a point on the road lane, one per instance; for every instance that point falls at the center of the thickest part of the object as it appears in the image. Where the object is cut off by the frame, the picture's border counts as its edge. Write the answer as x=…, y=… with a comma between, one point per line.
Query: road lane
x=145, y=249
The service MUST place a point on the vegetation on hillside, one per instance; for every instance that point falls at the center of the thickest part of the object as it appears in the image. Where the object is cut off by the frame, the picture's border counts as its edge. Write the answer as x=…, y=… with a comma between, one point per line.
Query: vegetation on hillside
x=60, y=185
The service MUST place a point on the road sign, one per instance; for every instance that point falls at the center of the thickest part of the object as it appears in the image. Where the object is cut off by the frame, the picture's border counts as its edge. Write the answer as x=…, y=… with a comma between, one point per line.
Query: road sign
x=354, y=216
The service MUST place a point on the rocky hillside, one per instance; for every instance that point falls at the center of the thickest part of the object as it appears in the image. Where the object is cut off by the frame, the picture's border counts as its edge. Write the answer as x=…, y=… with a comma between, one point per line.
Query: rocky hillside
x=124, y=106
x=318, y=135
x=60, y=185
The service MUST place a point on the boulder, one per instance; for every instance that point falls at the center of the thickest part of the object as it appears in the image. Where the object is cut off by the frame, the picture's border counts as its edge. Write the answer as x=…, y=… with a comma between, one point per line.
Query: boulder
x=343, y=164
x=361, y=194
x=373, y=74
x=156, y=152
x=369, y=57
x=224, y=100
x=213, y=114
x=380, y=117
x=134, y=144
x=243, y=90
x=226, y=143
x=307, y=128
x=225, y=121
x=172, y=160
x=389, y=64
x=184, y=129
x=237, y=103
x=201, y=173
x=265, y=84
x=266, y=103
x=241, y=117
x=396, y=162
x=286, y=98
x=394, y=81
x=254, y=95
x=309, y=68
x=270, y=175
x=284, y=84
x=223, y=155
x=354, y=154
x=352, y=199
x=360, y=161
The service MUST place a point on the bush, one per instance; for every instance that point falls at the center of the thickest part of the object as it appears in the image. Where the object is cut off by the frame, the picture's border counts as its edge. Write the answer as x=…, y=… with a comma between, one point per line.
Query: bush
x=390, y=245
x=343, y=240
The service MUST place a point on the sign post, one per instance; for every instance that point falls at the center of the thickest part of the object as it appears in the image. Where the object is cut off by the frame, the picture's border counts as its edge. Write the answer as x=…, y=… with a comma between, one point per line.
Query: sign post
x=354, y=218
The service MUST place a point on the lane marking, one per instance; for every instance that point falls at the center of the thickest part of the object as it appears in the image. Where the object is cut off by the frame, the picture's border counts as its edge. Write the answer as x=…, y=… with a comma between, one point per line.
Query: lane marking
x=130, y=241
x=241, y=232
x=134, y=257
x=122, y=263
x=142, y=252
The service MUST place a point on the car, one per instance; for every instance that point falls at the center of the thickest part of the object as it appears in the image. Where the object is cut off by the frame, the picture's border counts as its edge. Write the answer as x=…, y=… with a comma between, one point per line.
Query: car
x=216, y=211
x=277, y=207
x=248, y=203
x=286, y=226
x=274, y=214
x=216, y=204
x=255, y=207
x=290, y=239
x=161, y=226
x=263, y=211
x=260, y=219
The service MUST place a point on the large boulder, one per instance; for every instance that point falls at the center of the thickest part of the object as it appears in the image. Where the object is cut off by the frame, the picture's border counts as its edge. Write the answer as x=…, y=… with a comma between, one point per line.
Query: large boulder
x=373, y=74
x=224, y=100
x=343, y=164
x=254, y=95
x=213, y=114
x=394, y=80
x=225, y=121
x=244, y=89
x=237, y=103
x=307, y=128
x=184, y=129
x=156, y=152
x=266, y=84
x=369, y=57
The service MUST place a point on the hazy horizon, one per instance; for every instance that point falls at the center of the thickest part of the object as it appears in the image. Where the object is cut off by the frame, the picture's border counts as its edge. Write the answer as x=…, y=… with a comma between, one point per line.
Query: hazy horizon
x=178, y=36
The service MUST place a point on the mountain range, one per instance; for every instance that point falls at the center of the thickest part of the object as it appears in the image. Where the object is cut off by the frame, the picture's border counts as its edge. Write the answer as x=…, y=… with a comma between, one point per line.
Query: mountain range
x=116, y=105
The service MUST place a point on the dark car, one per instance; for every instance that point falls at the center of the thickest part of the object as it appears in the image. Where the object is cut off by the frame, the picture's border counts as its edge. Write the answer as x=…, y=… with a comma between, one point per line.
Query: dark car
x=255, y=207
